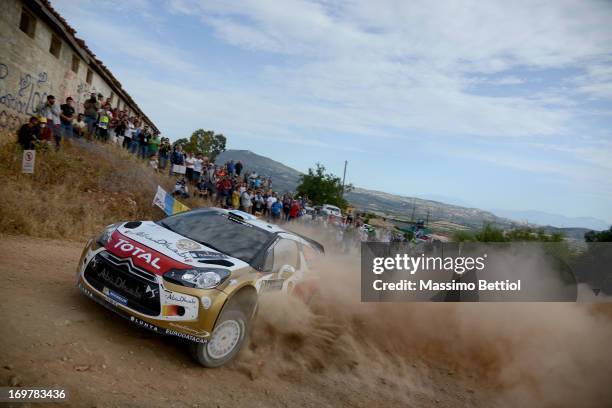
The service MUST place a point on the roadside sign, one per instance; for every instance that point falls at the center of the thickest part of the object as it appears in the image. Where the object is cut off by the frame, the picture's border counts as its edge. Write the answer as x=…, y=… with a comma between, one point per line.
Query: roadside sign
x=27, y=164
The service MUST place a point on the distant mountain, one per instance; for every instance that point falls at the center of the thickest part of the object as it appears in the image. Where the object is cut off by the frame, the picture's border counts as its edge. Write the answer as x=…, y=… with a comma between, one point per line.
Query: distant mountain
x=285, y=178
x=554, y=220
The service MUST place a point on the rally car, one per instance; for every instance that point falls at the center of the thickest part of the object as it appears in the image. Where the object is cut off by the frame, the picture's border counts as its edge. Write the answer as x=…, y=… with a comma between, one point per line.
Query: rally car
x=196, y=275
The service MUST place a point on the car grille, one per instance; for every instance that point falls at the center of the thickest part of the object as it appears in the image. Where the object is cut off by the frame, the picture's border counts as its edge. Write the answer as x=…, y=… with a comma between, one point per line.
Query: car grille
x=136, y=289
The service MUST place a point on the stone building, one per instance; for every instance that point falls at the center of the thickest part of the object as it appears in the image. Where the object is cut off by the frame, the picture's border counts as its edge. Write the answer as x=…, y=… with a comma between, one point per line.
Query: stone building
x=40, y=55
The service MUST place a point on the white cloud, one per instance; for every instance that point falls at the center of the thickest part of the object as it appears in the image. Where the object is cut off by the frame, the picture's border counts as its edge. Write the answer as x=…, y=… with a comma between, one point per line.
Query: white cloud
x=407, y=64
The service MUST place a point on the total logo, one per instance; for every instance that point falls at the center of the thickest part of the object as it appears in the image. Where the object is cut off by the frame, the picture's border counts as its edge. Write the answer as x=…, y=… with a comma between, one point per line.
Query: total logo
x=136, y=252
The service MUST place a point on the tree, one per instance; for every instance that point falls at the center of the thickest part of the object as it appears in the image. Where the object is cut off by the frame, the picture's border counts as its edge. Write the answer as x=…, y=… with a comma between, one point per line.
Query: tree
x=323, y=188
x=204, y=142
x=183, y=143
x=603, y=236
x=207, y=143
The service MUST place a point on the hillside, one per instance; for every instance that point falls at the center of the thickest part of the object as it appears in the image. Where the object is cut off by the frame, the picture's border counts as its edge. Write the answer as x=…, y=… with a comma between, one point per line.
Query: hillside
x=286, y=179
x=75, y=192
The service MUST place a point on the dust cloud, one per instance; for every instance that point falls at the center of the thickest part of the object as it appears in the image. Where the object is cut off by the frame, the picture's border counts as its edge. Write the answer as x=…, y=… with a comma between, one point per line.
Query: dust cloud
x=517, y=354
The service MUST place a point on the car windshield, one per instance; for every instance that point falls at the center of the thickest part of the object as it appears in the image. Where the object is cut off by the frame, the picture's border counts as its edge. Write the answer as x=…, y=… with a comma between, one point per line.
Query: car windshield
x=221, y=232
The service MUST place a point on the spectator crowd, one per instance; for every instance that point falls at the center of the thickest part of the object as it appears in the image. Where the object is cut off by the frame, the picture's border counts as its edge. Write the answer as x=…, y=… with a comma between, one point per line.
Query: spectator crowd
x=228, y=185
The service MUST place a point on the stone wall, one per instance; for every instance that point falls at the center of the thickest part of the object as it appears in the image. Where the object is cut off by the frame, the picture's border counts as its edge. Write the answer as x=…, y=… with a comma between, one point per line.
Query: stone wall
x=29, y=71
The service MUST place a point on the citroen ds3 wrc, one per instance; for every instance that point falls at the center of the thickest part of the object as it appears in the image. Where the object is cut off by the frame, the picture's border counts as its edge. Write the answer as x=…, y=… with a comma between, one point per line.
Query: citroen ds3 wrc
x=196, y=275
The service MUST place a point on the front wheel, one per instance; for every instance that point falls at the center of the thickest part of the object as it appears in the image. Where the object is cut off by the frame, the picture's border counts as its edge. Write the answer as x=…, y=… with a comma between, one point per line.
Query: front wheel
x=225, y=342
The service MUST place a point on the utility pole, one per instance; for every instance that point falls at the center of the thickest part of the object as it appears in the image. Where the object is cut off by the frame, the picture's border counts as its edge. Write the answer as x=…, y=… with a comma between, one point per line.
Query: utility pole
x=344, y=177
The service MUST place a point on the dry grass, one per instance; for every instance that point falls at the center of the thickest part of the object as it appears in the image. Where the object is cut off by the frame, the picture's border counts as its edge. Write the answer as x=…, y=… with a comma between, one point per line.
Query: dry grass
x=75, y=192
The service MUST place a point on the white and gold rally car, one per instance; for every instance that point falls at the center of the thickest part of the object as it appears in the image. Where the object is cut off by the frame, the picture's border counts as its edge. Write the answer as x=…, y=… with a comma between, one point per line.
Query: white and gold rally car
x=196, y=275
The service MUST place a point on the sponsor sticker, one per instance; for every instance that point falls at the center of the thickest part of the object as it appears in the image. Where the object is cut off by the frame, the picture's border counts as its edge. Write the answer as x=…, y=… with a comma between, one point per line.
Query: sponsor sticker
x=115, y=296
x=187, y=245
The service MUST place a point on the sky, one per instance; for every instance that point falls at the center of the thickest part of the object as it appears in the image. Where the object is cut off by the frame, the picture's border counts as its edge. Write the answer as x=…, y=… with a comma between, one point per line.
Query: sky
x=497, y=104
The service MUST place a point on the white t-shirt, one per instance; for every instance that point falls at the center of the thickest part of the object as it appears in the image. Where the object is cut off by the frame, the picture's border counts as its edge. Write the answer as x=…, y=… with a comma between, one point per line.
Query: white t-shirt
x=271, y=200
x=197, y=165
x=189, y=162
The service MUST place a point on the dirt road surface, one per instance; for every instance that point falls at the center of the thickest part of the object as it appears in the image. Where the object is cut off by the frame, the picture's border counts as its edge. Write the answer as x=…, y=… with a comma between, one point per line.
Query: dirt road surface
x=54, y=336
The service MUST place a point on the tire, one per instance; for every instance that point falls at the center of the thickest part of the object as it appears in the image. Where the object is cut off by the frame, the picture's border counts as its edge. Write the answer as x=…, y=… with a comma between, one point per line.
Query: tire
x=226, y=340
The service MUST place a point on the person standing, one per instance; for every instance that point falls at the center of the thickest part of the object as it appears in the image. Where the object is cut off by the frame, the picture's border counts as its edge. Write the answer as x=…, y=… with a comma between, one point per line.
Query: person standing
x=143, y=142
x=154, y=144
x=197, y=168
x=104, y=117
x=189, y=159
x=119, y=130
x=177, y=158
x=51, y=112
x=275, y=211
x=246, y=201
x=269, y=201
x=128, y=134
x=66, y=117
x=236, y=199
x=136, y=131
x=91, y=107
x=230, y=168
x=238, y=168
x=164, y=152
x=258, y=203
x=294, y=210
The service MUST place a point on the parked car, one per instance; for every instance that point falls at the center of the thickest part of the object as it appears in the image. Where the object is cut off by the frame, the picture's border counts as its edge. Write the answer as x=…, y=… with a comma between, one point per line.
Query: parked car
x=328, y=209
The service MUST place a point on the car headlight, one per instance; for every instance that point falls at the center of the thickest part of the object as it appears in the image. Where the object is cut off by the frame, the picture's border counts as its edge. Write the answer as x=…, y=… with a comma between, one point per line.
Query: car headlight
x=197, y=278
x=103, y=238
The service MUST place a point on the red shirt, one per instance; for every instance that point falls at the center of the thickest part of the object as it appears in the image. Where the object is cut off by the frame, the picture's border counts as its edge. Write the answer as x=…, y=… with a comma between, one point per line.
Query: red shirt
x=294, y=209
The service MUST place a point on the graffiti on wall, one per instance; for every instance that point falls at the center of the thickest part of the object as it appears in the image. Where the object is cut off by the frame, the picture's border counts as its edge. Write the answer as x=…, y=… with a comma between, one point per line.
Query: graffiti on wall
x=22, y=101
x=83, y=92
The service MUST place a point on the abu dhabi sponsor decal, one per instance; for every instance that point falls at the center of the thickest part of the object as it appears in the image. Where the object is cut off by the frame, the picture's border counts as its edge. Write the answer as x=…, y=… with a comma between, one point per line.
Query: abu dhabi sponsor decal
x=180, y=298
x=119, y=283
x=184, y=248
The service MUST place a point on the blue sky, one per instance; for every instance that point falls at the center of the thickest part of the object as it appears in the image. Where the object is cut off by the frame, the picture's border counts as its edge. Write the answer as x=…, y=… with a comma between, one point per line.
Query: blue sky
x=499, y=104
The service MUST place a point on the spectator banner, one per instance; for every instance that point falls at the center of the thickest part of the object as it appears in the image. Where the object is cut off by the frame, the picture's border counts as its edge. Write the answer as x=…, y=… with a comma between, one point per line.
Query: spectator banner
x=178, y=169
x=27, y=164
x=167, y=203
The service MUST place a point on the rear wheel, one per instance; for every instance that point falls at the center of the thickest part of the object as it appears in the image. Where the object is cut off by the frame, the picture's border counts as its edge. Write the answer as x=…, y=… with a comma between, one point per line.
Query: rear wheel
x=226, y=340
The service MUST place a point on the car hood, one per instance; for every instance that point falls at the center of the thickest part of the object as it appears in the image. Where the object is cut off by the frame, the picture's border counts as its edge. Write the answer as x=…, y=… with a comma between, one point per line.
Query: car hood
x=157, y=249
